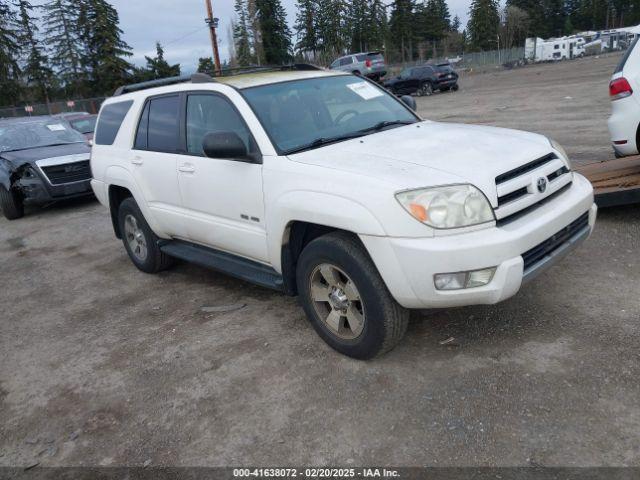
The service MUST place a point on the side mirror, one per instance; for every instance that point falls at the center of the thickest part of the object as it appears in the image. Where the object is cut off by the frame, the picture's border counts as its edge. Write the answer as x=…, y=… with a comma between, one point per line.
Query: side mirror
x=226, y=145
x=409, y=101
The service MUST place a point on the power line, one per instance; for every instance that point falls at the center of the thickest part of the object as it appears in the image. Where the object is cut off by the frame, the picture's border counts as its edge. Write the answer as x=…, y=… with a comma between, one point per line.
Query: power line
x=199, y=29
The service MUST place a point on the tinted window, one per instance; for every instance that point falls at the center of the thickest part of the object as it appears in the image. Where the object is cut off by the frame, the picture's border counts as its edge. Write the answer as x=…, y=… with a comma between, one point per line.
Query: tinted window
x=212, y=114
x=623, y=62
x=143, y=130
x=361, y=58
x=164, y=125
x=346, y=61
x=423, y=72
x=111, y=117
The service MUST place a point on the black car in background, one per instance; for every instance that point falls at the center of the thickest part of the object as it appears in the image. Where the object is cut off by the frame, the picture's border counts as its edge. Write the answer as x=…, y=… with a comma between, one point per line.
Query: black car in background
x=42, y=159
x=424, y=80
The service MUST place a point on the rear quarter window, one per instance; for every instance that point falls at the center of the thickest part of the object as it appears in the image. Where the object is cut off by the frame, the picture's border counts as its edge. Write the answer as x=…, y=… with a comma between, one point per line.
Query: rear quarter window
x=623, y=62
x=110, y=120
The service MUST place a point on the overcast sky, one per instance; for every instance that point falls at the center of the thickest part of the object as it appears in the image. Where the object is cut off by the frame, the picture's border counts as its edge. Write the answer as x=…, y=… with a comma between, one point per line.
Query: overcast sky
x=179, y=26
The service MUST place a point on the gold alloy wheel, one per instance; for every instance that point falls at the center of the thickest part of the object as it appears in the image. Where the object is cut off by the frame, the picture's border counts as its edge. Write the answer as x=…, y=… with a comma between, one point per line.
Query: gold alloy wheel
x=337, y=301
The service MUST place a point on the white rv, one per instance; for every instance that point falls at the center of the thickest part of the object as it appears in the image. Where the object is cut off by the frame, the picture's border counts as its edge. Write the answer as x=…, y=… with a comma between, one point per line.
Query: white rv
x=555, y=49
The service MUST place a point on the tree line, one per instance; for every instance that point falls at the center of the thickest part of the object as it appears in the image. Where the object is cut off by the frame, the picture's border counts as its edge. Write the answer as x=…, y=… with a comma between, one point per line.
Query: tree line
x=74, y=48
x=67, y=49
x=408, y=30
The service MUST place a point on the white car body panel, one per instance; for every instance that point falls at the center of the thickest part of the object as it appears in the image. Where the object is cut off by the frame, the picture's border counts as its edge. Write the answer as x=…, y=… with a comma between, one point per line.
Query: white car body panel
x=625, y=112
x=350, y=185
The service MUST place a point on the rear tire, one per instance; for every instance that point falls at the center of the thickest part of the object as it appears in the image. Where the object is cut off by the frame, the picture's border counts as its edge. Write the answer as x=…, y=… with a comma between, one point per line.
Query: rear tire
x=455, y=88
x=139, y=240
x=11, y=204
x=346, y=300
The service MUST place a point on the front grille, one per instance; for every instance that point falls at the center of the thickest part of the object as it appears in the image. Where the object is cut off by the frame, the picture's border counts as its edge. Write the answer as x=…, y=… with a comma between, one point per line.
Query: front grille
x=524, y=188
x=557, y=173
x=68, y=172
x=512, y=218
x=510, y=197
x=538, y=253
x=516, y=172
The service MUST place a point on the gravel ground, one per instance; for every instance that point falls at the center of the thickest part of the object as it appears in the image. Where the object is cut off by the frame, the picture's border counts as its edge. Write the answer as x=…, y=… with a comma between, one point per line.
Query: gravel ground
x=103, y=365
x=567, y=101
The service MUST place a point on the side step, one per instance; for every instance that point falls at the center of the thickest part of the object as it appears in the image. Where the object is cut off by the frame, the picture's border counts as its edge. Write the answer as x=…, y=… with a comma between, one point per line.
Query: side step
x=233, y=265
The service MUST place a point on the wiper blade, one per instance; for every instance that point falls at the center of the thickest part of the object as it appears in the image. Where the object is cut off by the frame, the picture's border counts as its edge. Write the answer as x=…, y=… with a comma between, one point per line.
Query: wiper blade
x=319, y=142
x=387, y=123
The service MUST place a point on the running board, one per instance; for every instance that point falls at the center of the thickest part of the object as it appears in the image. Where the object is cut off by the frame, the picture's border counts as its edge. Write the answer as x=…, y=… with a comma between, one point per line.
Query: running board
x=233, y=265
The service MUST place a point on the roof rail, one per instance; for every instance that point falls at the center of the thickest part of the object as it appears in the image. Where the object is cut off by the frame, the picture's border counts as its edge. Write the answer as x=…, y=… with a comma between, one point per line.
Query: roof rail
x=266, y=68
x=163, y=82
x=204, y=78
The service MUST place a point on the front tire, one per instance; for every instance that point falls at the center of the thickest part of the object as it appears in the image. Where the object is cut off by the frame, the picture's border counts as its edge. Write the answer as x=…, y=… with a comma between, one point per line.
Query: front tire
x=346, y=300
x=11, y=204
x=139, y=240
x=425, y=90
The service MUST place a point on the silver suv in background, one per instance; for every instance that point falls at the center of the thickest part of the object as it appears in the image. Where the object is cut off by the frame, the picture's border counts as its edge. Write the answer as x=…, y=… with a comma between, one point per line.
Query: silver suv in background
x=368, y=64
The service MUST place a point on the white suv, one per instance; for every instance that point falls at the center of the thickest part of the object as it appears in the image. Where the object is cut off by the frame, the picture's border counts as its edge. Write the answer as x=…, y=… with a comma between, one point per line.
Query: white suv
x=624, y=123
x=323, y=185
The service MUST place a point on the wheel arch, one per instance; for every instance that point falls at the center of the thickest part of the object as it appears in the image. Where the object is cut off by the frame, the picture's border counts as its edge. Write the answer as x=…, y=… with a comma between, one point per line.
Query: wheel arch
x=297, y=235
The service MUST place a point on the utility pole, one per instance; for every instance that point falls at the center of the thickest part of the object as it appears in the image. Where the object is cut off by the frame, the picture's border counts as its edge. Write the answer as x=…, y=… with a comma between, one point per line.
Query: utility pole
x=213, y=24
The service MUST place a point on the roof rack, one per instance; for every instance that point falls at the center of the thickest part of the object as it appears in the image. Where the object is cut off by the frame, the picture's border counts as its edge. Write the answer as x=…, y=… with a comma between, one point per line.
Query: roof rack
x=163, y=82
x=204, y=78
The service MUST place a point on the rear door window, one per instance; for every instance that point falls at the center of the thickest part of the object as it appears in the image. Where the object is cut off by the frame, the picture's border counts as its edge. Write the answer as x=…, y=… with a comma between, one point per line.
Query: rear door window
x=164, y=124
x=623, y=62
x=110, y=120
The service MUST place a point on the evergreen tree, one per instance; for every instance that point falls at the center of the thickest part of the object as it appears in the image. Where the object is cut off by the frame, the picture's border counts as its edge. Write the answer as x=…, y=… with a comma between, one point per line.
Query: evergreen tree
x=241, y=36
x=357, y=29
x=275, y=33
x=402, y=28
x=156, y=68
x=331, y=28
x=9, y=53
x=484, y=22
x=378, y=24
x=104, y=60
x=61, y=32
x=306, y=27
x=206, y=65
x=36, y=69
x=455, y=24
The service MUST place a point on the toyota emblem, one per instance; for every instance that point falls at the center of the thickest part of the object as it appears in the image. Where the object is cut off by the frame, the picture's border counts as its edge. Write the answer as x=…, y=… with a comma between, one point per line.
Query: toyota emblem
x=542, y=184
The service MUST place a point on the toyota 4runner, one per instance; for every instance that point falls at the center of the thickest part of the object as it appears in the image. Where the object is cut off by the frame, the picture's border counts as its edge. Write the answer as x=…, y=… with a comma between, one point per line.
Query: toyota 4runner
x=323, y=185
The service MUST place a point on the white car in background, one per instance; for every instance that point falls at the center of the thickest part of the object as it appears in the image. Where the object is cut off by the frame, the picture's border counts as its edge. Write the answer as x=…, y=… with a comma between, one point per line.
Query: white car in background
x=624, y=124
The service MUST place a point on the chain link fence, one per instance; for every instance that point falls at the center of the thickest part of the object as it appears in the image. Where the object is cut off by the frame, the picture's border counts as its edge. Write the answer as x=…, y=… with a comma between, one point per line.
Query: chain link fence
x=471, y=61
x=91, y=105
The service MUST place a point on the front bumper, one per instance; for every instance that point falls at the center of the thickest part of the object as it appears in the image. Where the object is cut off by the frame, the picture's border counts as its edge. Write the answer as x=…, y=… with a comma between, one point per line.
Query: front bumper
x=408, y=265
x=37, y=190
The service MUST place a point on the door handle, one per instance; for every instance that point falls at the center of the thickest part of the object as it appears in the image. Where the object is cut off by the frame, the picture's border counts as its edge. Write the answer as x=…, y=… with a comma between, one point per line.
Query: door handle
x=137, y=160
x=187, y=168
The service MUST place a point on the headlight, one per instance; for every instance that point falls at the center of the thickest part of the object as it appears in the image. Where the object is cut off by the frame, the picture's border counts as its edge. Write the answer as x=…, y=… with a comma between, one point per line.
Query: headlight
x=453, y=206
x=556, y=146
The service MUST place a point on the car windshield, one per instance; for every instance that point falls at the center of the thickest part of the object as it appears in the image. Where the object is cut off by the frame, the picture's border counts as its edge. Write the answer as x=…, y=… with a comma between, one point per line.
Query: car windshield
x=36, y=133
x=84, y=125
x=298, y=113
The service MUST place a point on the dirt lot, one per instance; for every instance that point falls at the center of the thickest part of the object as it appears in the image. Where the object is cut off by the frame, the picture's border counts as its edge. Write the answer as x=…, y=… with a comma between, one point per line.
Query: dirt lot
x=103, y=365
x=567, y=101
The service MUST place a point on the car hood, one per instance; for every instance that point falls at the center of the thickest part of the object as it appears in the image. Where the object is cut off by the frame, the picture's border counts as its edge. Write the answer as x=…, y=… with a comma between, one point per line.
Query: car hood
x=31, y=155
x=430, y=154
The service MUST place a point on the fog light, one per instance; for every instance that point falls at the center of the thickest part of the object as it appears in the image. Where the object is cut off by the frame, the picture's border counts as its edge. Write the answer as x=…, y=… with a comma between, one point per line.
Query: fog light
x=462, y=280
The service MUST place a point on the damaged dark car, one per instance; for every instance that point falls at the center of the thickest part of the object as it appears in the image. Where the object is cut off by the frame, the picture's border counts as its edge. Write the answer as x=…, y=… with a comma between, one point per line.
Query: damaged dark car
x=42, y=160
